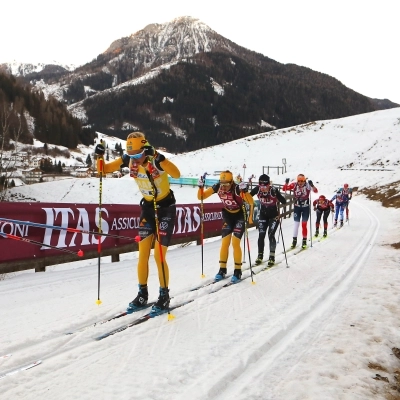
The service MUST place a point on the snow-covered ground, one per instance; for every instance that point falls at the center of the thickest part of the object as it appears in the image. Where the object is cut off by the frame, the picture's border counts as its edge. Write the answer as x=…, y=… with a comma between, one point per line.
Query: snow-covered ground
x=320, y=329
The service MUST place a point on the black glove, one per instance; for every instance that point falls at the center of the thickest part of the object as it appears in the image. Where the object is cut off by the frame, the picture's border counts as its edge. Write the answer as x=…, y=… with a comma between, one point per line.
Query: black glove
x=149, y=151
x=311, y=183
x=287, y=180
x=99, y=149
x=125, y=158
x=159, y=157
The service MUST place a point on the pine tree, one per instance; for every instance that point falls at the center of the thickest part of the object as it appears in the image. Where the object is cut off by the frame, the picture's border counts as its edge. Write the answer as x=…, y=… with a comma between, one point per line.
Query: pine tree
x=89, y=161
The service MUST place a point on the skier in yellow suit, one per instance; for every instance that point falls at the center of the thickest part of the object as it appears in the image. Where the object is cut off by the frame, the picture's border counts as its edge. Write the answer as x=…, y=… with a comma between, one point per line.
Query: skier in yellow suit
x=150, y=169
x=233, y=197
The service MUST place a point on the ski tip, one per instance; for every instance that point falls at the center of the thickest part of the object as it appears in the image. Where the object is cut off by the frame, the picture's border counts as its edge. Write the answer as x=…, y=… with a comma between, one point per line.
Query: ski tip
x=171, y=317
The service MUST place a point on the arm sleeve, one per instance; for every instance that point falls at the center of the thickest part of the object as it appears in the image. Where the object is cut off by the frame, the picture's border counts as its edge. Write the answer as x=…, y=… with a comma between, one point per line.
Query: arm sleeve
x=288, y=187
x=249, y=199
x=280, y=197
x=254, y=190
x=111, y=166
x=206, y=193
x=170, y=168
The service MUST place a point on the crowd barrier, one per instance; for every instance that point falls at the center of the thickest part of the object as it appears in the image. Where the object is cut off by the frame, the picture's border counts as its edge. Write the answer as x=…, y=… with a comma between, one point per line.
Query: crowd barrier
x=116, y=219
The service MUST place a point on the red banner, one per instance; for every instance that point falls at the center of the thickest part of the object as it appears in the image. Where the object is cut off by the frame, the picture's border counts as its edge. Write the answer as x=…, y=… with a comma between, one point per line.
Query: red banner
x=116, y=219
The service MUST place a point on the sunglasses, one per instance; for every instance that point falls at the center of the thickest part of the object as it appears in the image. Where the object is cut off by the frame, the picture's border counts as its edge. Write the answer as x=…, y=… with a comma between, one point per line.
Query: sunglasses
x=136, y=156
x=263, y=183
x=301, y=180
x=225, y=183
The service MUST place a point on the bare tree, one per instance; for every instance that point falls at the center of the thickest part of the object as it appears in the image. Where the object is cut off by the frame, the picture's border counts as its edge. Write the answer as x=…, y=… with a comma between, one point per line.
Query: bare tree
x=10, y=128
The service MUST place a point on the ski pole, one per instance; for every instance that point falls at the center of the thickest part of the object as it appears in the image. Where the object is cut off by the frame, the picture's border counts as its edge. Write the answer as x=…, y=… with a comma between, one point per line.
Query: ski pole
x=244, y=250
x=309, y=207
x=279, y=215
x=202, y=224
x=283, y=243
x=247, y=237
x=22, y=239
x=98, y=301
x=61, y=228
x=170, y=317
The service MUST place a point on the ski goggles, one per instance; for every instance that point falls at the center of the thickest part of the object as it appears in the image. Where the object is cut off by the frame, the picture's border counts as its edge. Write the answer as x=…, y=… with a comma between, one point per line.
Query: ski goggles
x=300, y=180
x=136, y=156
x=263, y=183
x=225, y=184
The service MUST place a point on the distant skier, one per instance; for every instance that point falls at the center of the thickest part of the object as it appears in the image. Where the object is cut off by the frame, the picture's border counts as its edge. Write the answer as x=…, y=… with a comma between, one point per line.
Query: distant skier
x=347, y=194
x=340, y=205
x=301, y=192
x=233, y=197
x=269, y=196
x=323, y=207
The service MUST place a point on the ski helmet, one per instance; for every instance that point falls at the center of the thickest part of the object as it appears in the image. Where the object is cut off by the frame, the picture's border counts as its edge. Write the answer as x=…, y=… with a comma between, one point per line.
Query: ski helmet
x=264, y=179
x=135, y=141
x=346, y=185
x=226, y=176
x=301, y=178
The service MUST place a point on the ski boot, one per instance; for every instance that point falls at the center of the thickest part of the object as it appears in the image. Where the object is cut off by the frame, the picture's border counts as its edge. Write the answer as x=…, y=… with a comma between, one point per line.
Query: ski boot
x=304, y=243
x=316, y=232
x=162, y=304
x=325, y=233
x=294, y=243
x=140, y=301
x=335, y=223
x=271, y=261
x=259, y=258
x=341, y=223
x=237, y=275
x=221, y=274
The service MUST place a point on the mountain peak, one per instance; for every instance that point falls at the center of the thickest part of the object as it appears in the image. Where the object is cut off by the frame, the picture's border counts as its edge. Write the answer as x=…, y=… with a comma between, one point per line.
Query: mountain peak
x=160, y=43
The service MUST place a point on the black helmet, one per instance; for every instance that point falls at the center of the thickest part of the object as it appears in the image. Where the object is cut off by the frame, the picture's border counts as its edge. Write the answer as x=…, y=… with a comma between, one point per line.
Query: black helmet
x=264, y=179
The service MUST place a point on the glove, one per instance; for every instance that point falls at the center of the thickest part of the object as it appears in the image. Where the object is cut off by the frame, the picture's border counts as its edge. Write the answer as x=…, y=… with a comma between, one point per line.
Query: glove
x=311, y=183
x=287, y=180
x=315, y=208
x=149, y=151
x=99, y=149
x=125, y=159
x=159, y=157
x=243, y=186
x=200, y=182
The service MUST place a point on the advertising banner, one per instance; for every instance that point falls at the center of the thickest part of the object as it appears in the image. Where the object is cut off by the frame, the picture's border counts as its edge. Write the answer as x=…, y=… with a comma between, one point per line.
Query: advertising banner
x=116, y=219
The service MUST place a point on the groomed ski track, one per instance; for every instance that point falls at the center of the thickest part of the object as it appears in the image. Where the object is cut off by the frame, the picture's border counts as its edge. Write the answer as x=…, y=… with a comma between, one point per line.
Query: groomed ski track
x=290, y=308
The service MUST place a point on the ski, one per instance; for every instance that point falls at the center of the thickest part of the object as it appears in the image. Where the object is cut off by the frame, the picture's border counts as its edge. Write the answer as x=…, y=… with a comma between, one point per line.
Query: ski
x=116, y=316
x=19, y=369
x=214, y=281
x=205, y=285
x=140, y=320
x=301, y=249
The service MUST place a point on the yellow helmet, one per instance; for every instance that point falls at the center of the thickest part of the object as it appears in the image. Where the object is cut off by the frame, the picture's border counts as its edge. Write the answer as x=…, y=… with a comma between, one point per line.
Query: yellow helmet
x=226, y=176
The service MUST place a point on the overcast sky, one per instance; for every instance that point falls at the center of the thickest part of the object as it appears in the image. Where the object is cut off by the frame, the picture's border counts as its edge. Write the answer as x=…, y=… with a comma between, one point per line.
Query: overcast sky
x=354, y=41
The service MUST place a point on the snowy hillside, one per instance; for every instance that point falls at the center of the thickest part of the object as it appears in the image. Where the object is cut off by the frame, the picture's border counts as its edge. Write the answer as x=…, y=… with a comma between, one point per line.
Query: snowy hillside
x=330, y=152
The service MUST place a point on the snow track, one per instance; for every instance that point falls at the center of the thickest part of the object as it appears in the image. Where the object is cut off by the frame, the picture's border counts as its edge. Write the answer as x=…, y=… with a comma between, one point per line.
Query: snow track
x=297, y=325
